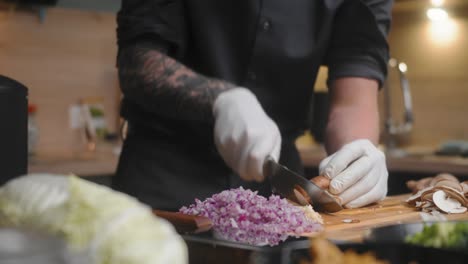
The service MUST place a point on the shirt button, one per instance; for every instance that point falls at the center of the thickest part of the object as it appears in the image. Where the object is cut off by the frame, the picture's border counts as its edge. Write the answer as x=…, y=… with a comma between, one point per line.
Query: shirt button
x=251, y=75
x=266, y=25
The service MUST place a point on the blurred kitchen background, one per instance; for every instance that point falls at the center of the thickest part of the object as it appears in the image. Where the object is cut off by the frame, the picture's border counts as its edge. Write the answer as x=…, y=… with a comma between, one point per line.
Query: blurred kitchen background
x=64, y=53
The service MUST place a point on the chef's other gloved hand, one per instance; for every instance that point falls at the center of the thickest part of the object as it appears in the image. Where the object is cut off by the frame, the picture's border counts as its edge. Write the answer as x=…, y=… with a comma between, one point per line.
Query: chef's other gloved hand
x=244, y=134
x=358, y=173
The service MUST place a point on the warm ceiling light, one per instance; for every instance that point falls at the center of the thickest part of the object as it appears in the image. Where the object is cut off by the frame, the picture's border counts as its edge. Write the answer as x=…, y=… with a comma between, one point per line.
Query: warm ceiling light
x=393, y=62
x=437, y=2
x=403, y=67
x=443, y=32
x=437, y=14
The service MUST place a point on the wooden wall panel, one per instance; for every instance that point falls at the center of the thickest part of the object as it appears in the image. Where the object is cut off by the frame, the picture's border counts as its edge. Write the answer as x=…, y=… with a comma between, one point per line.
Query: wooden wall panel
x=69, y=56
x=438, y=75
x=72, y=55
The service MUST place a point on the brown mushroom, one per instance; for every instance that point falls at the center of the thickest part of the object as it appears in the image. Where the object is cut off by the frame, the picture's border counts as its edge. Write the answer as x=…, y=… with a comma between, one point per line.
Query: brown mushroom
x=417, y=196
x=418, y=185
x=321, y=181
x=443, y=192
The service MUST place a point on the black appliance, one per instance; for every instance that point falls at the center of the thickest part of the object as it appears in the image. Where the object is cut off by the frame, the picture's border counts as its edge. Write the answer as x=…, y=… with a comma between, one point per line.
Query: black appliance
x=13, y=129
x=35, y=2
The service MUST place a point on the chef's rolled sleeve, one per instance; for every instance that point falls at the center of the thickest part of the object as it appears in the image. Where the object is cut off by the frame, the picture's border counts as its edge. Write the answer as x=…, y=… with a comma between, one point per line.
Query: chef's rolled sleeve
x=151, y=20
x=358, y=45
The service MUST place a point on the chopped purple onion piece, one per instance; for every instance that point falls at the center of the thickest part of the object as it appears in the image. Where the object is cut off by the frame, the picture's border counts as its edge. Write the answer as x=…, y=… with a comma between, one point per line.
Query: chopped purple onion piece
x=244, y=216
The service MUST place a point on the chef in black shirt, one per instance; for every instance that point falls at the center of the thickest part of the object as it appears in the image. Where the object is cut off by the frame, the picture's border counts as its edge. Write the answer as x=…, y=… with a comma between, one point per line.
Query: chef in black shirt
x=211, y=88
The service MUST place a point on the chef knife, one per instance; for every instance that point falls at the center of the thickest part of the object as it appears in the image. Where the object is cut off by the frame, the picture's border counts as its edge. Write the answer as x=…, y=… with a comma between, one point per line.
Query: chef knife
x=296, y=188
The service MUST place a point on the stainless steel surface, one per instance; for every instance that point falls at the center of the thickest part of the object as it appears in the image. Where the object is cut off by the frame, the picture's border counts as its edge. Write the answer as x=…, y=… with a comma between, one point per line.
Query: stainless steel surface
x=296, y=188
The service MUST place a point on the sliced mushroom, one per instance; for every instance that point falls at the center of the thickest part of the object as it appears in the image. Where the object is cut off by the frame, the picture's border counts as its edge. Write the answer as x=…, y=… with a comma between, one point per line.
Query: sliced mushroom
x=465, y=188
x=454, y=194
x=447, y=183
x=451, y=197
x=427, y=194
x=427, y=204
x=459, y=210
x=418, y=185
x=447, y=204
x=321, y=181
x=413, y=198
x=412, y=186
x=417, y=196
x=443, y=177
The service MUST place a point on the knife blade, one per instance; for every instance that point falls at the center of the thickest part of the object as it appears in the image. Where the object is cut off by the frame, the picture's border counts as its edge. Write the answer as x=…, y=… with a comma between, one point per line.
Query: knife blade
x=295, y=187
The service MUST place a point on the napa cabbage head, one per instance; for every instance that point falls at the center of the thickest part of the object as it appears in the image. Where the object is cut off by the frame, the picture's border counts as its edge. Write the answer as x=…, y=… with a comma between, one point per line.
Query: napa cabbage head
x=109, y=226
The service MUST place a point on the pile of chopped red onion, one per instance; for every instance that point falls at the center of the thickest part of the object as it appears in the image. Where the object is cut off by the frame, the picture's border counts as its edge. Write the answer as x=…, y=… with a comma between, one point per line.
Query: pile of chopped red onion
x=244, y=216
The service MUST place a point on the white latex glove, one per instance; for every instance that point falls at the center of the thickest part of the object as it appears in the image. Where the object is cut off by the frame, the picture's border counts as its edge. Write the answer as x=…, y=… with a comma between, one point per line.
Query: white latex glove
x=244, y=134
x=358, y=173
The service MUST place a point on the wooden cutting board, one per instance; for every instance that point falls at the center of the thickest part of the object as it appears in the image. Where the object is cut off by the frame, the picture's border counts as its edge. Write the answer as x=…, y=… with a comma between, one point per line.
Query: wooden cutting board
x=392, y=210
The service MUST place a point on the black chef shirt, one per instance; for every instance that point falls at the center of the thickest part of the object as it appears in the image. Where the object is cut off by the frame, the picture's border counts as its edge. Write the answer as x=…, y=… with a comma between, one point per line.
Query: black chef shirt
x=272, y=47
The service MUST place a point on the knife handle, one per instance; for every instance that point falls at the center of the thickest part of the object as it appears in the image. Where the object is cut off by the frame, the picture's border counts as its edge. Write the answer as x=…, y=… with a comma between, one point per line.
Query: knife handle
x=321, y=181
x=185, y=223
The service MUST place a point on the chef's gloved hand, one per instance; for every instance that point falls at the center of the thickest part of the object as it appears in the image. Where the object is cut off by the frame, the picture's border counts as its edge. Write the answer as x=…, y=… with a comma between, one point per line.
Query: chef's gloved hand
x=244, y=134
x=358, y=173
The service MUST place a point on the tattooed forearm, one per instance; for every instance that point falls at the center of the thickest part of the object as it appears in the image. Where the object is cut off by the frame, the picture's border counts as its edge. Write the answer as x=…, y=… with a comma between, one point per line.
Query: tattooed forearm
x=163, y=85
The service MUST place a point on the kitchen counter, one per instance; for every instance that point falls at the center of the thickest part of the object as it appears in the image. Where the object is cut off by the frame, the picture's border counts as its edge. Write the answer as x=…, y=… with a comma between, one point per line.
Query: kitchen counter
x=412, y=163
x=392, y=210
x=102, y=162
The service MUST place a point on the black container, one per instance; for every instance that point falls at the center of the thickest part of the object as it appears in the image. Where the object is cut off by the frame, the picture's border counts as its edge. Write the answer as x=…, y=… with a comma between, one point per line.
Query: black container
x=398, y=233
x=35, y=2
x=205, y=249
x=13, y=129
